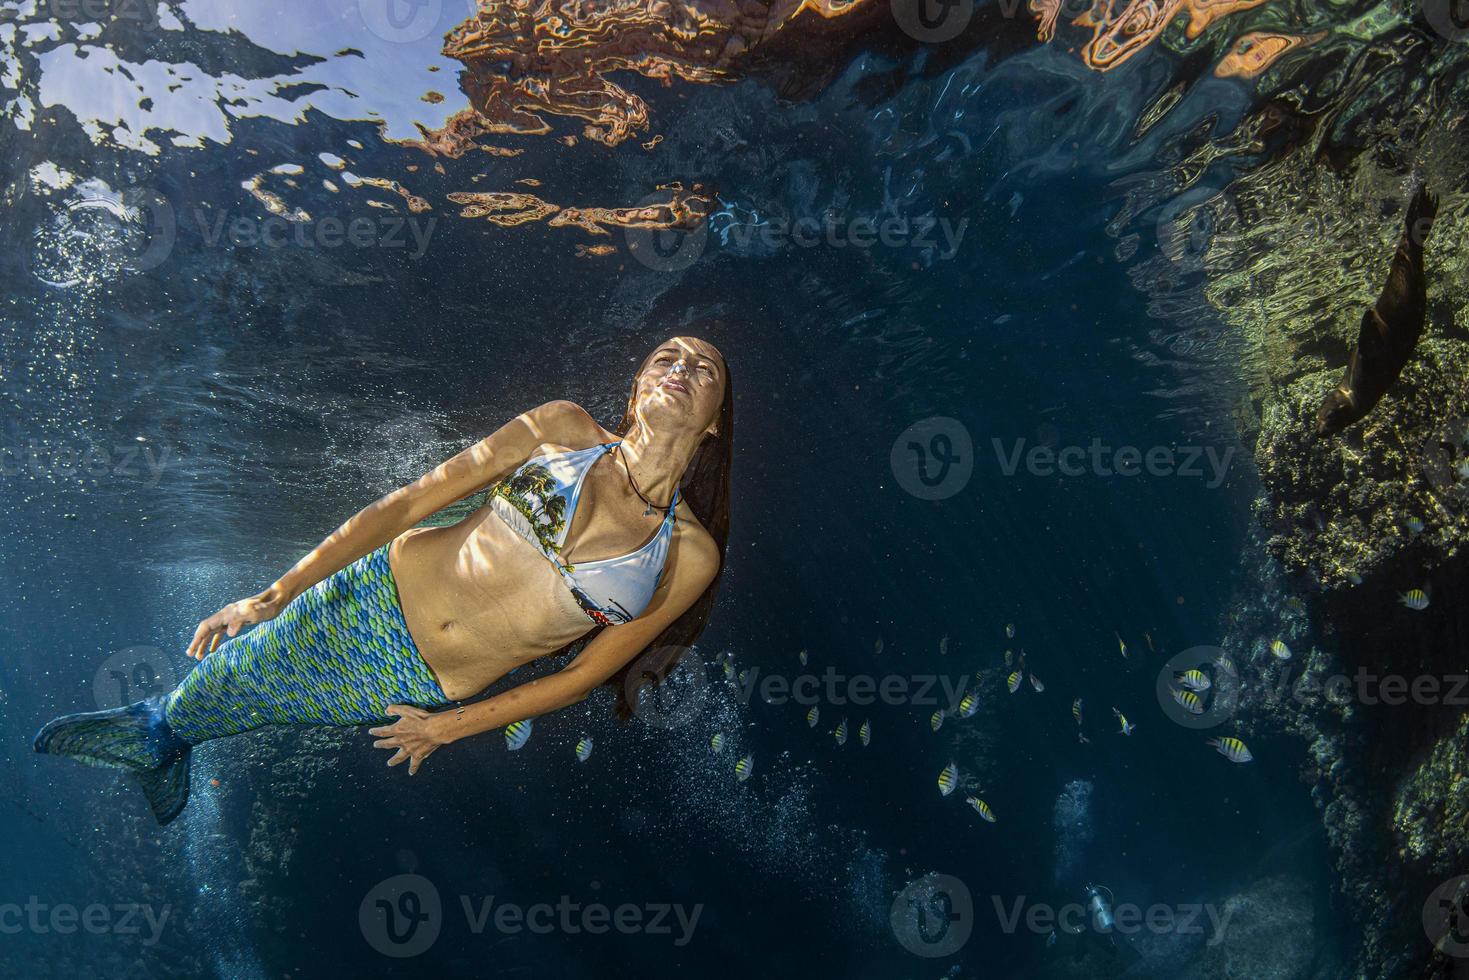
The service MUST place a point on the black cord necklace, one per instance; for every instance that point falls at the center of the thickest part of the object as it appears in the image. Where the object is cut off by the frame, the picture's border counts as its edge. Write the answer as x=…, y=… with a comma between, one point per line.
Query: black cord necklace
x=633, y=483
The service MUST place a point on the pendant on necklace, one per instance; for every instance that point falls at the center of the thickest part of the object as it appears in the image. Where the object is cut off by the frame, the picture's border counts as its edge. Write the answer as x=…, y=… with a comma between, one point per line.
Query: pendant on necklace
x=648, y=510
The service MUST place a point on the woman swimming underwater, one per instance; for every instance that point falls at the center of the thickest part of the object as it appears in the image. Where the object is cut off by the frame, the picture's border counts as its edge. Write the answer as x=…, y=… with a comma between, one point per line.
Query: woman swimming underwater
x=584, y=530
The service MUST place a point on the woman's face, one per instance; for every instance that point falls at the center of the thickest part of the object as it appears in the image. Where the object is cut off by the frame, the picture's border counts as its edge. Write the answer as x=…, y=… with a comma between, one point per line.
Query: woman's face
x=681, y=385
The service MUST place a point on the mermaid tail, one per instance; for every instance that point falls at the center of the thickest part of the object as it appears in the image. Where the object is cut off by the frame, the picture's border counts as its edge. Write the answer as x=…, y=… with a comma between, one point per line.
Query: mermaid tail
x=338, y=654
x=135, y=738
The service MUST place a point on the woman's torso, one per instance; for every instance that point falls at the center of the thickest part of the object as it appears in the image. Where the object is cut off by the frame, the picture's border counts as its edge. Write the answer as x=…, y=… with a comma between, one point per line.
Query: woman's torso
x=480, y=600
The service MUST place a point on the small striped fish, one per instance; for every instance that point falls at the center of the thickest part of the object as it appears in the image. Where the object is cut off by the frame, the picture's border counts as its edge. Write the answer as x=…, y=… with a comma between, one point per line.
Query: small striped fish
x=937, y=720
x=517, y=734
x=812, y=716
x=948, y=779
x=716, y=744
x=1188, y=700
x=1035, y=682
x=1013, y=682
x=1231, y=748
x=1279, y=649
x=744, y=767
x=583, y=750
x=841, y=732
x=981, y=807
x=1414, y=599
x=968, y=706
x=1193, y=680
x=864, y=734
x=1076, y=710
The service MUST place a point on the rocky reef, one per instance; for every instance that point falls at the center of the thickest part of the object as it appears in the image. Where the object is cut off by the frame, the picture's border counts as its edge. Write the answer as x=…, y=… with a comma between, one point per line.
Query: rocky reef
x=1373, y=700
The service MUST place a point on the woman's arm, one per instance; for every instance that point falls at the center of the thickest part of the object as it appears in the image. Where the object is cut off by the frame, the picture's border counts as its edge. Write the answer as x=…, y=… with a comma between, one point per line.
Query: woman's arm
x=417, y=733
x=486, y=462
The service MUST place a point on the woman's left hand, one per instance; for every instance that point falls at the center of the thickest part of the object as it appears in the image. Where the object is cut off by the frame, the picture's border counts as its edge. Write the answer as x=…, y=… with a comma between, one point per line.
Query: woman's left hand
x=414, y=735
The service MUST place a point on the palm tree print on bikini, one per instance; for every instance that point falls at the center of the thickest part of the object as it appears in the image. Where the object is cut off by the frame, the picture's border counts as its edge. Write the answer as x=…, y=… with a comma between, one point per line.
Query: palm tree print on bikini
x=531, y=491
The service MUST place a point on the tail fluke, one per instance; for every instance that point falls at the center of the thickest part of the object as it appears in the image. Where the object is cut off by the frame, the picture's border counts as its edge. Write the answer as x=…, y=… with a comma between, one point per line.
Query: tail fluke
x=135, y=738
x=1421, y=212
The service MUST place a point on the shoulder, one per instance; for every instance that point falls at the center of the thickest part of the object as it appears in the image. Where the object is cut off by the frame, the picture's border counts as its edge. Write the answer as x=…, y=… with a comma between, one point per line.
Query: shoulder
x=696, y=552
x=565, y=423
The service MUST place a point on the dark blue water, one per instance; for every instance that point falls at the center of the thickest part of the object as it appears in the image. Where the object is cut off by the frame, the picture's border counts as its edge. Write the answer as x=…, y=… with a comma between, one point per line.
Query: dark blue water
x=275, y=391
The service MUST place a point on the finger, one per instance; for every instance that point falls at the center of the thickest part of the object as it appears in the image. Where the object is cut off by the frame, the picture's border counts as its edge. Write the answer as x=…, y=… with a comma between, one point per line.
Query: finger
x=386, y=743
x=198, y=635
x=382, y=730
x=413, y=765
x=398, y=759
x=412, y=711
x=234, y=627
x=214, y=642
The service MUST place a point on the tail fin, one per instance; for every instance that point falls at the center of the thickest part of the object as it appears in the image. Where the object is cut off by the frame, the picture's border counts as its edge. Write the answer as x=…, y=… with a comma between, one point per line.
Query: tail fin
x=1421, y=212
x=135, y=738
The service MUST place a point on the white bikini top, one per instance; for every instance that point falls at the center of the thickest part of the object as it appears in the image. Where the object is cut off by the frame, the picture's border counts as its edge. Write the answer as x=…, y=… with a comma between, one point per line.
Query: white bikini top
x=539, y=500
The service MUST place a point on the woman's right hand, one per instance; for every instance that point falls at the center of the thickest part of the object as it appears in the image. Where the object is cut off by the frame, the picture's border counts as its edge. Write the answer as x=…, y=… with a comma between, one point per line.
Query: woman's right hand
x=233, y=618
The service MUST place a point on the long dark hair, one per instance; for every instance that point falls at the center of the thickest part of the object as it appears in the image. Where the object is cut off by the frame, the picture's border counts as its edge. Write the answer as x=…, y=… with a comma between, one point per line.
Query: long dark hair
x=705, y=487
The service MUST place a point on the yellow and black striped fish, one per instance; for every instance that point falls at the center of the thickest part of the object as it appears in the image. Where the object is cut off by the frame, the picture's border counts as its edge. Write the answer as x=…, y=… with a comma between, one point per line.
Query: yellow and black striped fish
x=948, y=779
x=981, y=807
x=1013, y=681
x=841, y=732
x=744, y=767
x=1188, y=700
x=1231, y=748
x=1076, y=710
x=864, y=734
x=517, y=733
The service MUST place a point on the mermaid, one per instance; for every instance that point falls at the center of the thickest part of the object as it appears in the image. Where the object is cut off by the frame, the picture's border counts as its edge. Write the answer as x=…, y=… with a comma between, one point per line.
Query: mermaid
x=610, y=542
